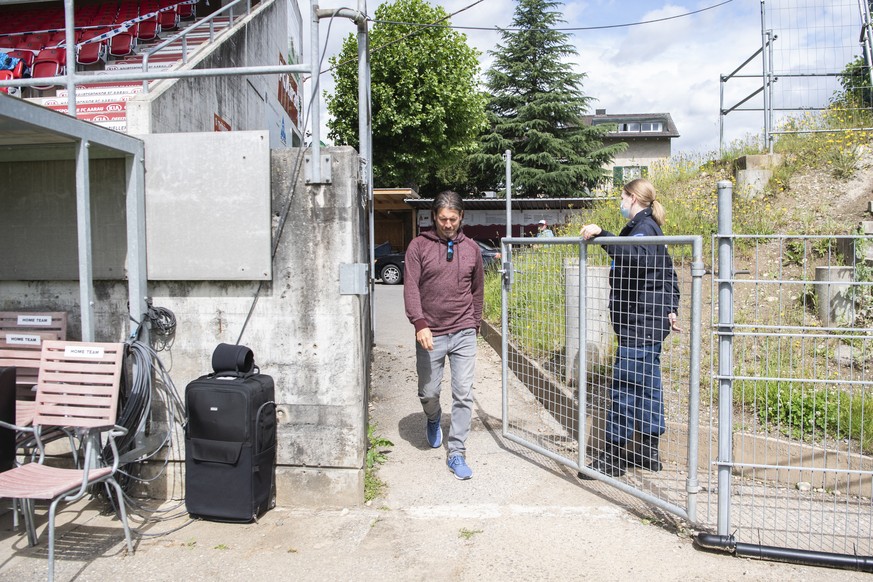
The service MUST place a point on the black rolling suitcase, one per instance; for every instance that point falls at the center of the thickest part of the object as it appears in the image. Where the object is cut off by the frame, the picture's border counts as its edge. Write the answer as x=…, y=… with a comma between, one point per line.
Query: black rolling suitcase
x=230, y=439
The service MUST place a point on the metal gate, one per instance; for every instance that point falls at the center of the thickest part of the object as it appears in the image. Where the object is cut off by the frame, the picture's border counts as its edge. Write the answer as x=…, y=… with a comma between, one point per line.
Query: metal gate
x=556, y=331
x=792, y=394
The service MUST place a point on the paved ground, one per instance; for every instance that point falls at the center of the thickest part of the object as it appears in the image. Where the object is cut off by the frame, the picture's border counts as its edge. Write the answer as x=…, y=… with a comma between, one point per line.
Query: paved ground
x=521, y=517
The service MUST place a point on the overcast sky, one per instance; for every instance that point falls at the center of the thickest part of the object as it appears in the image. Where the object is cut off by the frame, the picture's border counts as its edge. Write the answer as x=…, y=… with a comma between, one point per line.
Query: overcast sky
x=668, y=66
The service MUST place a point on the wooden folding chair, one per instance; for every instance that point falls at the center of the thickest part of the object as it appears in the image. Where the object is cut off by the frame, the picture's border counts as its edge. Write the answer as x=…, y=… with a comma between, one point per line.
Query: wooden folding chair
x=77, y=388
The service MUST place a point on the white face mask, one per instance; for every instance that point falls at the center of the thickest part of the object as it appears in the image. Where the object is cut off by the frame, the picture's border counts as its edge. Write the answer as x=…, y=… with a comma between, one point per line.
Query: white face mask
x=625, y=211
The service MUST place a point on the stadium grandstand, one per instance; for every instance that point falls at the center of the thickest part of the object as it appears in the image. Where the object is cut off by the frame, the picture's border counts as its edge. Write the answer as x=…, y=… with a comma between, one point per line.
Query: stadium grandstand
x=129, y=36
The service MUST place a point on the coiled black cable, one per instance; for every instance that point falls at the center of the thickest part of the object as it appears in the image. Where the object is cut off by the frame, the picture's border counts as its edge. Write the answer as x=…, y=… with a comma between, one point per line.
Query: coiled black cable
x=148, y=401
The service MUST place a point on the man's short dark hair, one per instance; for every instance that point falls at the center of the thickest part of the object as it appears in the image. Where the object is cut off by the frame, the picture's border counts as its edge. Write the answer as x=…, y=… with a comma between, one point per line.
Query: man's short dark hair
x=447, y=199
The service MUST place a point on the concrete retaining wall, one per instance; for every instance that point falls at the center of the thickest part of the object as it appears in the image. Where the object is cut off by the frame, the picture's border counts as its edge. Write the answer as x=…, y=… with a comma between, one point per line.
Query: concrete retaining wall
x=314, y=340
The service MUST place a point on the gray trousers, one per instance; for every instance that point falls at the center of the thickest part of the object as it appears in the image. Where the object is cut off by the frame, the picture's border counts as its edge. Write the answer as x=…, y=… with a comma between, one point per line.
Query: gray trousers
x=460, y=347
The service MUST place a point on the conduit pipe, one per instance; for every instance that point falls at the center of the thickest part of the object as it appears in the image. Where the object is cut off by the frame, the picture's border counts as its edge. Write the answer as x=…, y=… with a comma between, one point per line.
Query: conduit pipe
x=790, y=555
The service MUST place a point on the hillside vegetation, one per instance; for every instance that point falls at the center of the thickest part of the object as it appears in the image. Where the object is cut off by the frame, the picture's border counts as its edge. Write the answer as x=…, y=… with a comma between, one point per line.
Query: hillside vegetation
x=822, y=188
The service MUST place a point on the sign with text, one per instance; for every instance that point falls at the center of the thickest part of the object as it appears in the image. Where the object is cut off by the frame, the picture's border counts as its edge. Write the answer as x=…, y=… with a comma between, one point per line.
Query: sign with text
x=21, y=339
x=93, y=352
x=43, y=320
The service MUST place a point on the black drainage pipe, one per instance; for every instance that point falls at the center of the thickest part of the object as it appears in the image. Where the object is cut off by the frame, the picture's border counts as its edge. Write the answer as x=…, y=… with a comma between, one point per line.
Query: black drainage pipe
x=794, y=556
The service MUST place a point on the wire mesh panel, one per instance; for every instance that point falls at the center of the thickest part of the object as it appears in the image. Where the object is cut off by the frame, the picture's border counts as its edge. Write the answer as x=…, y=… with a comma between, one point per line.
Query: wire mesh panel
x=818, y=58
x=550, y=349
x=801, y=393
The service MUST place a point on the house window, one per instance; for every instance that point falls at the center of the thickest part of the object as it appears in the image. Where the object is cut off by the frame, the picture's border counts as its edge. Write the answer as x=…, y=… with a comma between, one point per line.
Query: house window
x=652, y=126
x=623, y=174
x=629, y=127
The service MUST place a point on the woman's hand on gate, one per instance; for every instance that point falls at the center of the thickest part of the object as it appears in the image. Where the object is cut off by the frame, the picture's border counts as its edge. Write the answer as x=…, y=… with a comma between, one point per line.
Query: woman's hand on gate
x=589, y=231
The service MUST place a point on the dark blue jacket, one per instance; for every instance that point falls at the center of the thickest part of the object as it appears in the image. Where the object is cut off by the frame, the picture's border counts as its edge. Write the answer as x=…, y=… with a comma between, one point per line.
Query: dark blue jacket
x=643, y=285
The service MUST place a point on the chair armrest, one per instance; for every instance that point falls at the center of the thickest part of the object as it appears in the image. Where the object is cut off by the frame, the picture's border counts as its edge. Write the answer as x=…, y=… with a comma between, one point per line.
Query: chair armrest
x=15, y=427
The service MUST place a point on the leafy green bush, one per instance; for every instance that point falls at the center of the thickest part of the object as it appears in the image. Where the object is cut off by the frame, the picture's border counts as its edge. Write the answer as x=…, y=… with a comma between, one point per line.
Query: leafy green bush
x=806, y=412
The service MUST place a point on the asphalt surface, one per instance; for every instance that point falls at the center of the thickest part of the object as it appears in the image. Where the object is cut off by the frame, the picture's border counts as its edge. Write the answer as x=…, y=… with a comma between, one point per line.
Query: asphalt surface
x=521, y=516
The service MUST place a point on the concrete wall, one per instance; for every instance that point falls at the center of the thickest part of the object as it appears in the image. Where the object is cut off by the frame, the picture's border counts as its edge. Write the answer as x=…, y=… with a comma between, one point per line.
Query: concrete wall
x=243, y=103
x=215, y=209
x=313, y=339
x=38, y=219
x=642, y=153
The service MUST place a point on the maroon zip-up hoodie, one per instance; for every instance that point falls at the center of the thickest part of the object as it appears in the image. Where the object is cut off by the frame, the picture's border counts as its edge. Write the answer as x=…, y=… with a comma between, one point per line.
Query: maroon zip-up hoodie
x=445, y=296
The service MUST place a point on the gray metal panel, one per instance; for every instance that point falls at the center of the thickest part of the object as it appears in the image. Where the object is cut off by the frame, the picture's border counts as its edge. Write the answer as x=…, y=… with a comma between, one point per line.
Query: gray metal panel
x=208, y=206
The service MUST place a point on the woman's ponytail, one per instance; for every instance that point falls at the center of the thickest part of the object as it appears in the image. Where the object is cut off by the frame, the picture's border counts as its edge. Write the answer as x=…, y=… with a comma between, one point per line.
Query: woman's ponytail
x=658, y=213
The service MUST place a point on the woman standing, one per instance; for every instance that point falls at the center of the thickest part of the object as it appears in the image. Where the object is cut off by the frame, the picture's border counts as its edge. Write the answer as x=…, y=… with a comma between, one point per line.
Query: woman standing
x=643, y=307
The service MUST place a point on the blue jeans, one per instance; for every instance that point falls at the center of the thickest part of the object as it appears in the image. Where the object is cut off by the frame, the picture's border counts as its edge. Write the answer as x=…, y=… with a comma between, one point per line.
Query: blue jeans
x=637, y=401
x=460, y=348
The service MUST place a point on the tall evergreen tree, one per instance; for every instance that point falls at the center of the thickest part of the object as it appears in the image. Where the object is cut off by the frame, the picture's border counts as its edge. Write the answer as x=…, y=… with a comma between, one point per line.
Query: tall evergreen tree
x=536, y=110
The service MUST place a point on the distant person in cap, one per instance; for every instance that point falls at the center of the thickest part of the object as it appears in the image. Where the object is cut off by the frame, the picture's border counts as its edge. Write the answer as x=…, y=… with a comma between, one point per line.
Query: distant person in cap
x=544, y=230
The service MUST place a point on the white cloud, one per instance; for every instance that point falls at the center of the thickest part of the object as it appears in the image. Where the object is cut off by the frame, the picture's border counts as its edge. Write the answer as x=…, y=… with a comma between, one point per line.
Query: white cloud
x=669, y=66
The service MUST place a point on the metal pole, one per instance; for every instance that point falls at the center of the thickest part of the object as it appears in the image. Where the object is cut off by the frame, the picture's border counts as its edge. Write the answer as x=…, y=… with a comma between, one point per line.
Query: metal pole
x=582, y=354
x=721, y=116
x=504, y=294
x=508, y=157
x=83, y=222
x=725, y=353
x=137, y=279
x=70, y=41
x=314, y=101
x=867, y=43
x=698, y=270
x=771, y=81
x=366, y=148
x=764, y=75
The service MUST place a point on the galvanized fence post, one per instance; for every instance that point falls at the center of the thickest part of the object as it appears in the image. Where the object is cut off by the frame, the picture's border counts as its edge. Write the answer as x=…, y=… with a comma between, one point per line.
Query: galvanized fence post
x=725, y=353
x=692, y=485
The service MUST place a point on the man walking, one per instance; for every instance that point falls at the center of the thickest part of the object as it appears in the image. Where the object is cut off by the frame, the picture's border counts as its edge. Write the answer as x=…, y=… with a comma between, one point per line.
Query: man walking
x=443, y=292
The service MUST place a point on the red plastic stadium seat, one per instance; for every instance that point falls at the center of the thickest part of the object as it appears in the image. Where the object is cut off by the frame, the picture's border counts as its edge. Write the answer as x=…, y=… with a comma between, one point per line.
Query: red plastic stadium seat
x=5, y=75
x=26, y=56
x=49, y=62
x=38, y=41
x=148, y=29
x=56, y=39
x=122, y=44
x=186, y=11
x=93, y=52
x=169, y=19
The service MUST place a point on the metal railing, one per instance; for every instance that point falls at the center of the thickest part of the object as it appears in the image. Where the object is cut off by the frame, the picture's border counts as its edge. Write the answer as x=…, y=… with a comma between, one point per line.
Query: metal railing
x=210, y=20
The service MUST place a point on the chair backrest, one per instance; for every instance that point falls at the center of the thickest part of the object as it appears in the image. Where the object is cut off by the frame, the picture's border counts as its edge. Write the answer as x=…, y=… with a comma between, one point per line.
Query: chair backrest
x=21, y=338
x=78, y=384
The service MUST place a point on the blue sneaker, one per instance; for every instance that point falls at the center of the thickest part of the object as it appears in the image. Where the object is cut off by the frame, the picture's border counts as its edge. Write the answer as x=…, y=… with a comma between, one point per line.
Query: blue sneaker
x=458, y=466
x=434, y=433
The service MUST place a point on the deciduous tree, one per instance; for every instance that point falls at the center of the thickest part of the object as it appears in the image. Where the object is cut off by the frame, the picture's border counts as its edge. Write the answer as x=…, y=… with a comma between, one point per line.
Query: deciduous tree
x=427, y=111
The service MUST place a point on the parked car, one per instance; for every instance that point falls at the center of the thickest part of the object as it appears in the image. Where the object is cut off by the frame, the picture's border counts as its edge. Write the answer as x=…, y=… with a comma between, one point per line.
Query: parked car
x=389, y=266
